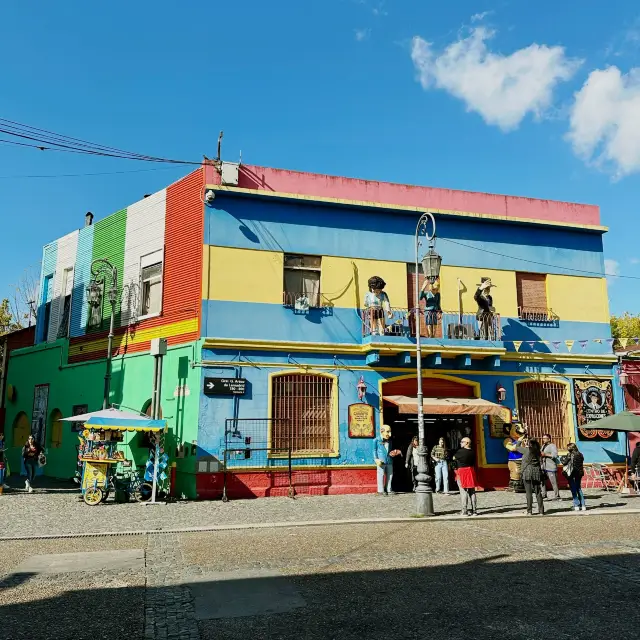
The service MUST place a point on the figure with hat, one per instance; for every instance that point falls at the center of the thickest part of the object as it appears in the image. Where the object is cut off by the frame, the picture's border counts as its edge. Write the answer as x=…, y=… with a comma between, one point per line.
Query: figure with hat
x=517, y=434
x=376, y=304
x=486, y=311
x=430, y=293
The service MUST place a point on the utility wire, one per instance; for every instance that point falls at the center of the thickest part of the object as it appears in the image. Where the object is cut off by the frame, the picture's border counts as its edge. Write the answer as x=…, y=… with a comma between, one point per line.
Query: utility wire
x=82, y=175
x=542, y=264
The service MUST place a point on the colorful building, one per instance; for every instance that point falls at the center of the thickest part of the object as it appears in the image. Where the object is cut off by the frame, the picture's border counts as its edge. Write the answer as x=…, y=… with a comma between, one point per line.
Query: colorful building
x=258, y=279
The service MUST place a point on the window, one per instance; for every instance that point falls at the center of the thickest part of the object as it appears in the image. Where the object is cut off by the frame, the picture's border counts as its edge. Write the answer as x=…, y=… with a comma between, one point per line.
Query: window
x=95, y=311
x=302, y=280
x=303, y=407
x=47, y=319
x=56, y=429
x=151, y=290
x=21, y=429
x=532, y=296
x=65, y=316
x=47, y=296
x=544, y=408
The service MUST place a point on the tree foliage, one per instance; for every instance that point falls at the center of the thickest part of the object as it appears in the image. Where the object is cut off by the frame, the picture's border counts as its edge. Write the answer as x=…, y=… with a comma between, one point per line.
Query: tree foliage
x=7, y=321
x=625, y=326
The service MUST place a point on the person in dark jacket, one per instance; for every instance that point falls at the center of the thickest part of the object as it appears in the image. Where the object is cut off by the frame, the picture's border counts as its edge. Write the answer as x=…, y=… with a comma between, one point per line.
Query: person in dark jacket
x=635, y=459
x=573, y=469
x=30, y=454
x=465, y=461
x=532, y=474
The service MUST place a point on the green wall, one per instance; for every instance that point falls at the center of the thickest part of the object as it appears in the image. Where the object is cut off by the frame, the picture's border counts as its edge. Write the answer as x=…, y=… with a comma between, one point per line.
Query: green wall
x=131, y=386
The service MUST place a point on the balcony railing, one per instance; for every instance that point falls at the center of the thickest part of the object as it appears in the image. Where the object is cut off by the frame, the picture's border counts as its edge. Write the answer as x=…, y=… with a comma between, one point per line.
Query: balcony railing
x=443, y=325
x=537, y=315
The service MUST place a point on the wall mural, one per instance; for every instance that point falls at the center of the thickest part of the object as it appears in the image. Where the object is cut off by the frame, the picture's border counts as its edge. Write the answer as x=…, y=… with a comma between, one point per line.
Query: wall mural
x=39, y=415
x=594, y=401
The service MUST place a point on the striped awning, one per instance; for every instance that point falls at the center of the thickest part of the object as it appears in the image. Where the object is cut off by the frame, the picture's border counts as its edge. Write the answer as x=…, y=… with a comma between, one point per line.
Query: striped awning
x=450, y=406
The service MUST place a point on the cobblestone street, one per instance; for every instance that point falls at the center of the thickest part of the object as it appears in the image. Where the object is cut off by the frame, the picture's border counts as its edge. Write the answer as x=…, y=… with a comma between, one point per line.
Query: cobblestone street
x=445, y=578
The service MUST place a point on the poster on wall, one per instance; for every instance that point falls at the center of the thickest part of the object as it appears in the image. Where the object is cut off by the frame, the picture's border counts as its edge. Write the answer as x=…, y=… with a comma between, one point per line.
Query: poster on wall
x=39, y=415
x=498, y=427
x=361, y=421
x=594, y=401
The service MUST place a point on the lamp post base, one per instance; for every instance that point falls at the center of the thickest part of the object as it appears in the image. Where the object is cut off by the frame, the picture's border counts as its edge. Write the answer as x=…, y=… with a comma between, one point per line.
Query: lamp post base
x=424, y=495
x=424, y=503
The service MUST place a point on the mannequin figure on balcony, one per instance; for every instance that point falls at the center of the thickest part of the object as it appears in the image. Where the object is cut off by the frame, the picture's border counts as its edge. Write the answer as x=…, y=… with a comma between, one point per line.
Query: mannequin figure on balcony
x=430, y=293
x=486, y=311
x=376, y=304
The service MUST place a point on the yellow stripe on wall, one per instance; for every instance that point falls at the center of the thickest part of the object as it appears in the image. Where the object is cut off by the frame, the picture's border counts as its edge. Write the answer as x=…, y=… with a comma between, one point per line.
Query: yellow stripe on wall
x=578, y=298
x=141, y=335
x=243, y=275
x=344, y=281
x=505, y=298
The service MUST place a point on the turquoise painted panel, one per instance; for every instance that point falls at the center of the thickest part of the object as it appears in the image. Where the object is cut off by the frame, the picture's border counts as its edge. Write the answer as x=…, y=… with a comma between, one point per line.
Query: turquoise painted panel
x=254, y=321
x=49, y=259
x=82, y=277
x=387, y=235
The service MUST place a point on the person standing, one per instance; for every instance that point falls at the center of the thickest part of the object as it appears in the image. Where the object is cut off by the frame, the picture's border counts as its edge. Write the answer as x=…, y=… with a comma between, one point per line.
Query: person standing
x=30, y=454
x=440, y=455
x=465, y=461
x=635, y=459
x=549, y=453
x=531, y=472
x=411, y=460
x=573, y=469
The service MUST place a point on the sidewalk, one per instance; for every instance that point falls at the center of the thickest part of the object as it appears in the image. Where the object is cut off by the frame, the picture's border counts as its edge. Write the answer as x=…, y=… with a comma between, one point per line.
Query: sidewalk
x=56, y=510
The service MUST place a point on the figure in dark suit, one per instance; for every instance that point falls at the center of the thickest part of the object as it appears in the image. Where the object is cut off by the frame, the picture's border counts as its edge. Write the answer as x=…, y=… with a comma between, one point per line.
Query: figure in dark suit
x=486, y=312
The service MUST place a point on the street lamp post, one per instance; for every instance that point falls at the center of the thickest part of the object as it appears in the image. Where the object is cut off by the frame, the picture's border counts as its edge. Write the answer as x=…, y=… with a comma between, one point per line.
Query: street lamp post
x=103, y=275
x=431, y=267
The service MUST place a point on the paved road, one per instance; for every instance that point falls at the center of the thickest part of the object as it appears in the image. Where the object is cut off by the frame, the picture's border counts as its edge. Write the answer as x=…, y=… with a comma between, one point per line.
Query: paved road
x=561, y=577
x=56, y=509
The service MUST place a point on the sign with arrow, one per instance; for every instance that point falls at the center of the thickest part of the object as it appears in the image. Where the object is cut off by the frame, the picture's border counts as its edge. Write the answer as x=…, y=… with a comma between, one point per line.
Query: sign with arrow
x=225, y=386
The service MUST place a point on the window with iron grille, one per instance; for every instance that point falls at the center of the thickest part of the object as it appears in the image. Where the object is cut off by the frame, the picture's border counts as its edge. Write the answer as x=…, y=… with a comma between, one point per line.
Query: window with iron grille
x=302, y=280
x=302, y=412
x=545, y=408
x=532, y=296
x=151, y=297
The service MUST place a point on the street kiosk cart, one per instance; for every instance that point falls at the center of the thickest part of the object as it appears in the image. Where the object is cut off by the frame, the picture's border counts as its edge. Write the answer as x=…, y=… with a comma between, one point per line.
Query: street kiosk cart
x=105, y=465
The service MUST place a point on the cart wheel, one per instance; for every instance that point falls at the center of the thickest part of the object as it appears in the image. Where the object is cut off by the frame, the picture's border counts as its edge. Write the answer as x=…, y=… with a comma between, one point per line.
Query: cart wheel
x=93, y=496
x=143, y=492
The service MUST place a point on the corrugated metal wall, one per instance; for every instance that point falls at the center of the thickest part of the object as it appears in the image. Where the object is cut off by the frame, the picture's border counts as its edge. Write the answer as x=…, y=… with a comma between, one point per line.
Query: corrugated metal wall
x=49, y=259
x=82, y=277
x=144, y=235
x=108, y=242
x=182, y=288
x=66, y=259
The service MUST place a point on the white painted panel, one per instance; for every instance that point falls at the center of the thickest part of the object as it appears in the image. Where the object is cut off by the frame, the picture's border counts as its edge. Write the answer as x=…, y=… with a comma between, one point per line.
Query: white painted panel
x=145, y=236
x=66, y=259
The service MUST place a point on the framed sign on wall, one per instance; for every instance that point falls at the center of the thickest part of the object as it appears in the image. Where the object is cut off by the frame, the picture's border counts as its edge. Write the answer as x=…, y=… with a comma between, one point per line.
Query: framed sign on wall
x=362, y=423
x=594, y=401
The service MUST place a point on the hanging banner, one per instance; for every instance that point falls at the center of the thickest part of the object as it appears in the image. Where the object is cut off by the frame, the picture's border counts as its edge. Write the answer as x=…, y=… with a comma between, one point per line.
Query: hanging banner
x=556, y=345
x=531, y=343
x=594, y=401
x=517, y=344
x=583, y=344
x=598, y=340
x=623, y=342
x=361, y=420
x=569, y=344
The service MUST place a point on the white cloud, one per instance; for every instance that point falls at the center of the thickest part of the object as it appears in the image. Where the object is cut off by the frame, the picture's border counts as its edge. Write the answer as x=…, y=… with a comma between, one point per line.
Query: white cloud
x=362, y=34
x=479, y=17
x=503, y=89
x=605, y=121
x=611, y=268
x=634, y=260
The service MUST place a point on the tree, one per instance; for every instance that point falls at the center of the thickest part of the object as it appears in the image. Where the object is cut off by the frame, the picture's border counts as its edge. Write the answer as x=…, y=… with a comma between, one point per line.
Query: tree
x=23, y=298
x=7, y=322
x=625, y=326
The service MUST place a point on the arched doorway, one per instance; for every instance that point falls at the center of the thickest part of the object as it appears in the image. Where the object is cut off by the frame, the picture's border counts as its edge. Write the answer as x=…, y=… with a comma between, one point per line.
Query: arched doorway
x=55, y=423
x=21, y=429
x=405, y=426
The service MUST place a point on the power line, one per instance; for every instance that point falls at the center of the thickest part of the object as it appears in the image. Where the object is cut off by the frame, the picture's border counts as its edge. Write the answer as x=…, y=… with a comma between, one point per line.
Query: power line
x=542, y=264
x=81, y=175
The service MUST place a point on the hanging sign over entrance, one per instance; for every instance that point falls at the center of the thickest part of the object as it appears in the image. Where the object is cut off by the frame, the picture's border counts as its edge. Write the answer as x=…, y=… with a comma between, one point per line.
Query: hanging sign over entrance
x=225, y=386
x=361, y=421
x=594, y=401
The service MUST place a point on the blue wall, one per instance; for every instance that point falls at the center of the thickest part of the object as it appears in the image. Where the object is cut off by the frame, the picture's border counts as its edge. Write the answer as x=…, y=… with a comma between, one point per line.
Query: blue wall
x=49, y=260
x=214, y=411
x=288, y=226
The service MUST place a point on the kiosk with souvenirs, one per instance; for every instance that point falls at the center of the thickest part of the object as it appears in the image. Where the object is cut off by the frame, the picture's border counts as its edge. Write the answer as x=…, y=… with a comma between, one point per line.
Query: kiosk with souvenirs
x=105, y=469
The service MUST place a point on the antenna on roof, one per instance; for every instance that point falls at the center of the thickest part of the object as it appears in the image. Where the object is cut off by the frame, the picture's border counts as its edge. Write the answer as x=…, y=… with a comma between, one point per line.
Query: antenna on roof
x=220, y=145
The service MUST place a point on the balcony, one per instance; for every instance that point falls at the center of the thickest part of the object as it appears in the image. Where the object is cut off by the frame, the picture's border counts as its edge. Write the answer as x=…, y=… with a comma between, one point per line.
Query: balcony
x=440, y=326
x=541, y=316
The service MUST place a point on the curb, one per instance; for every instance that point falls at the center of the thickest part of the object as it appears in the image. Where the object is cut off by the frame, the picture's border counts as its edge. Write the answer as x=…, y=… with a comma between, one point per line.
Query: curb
x=317, y=523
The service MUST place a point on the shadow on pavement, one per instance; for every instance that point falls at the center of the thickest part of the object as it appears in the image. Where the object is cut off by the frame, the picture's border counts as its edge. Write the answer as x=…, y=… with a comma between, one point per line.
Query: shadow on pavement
x=494, y=597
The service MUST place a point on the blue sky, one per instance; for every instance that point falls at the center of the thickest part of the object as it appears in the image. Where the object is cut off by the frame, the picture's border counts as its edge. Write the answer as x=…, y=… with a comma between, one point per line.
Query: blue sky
x=392, y=91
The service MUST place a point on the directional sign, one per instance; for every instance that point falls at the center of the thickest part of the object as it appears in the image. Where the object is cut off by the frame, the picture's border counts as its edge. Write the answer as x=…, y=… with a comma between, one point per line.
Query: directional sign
x=225, y=386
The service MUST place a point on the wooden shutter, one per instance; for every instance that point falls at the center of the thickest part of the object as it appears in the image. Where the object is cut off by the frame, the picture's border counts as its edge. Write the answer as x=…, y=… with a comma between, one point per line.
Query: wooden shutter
x=532, y=293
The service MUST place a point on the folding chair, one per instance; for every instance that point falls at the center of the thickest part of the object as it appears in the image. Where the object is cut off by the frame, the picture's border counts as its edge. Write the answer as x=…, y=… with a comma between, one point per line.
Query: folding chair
x=603, y=477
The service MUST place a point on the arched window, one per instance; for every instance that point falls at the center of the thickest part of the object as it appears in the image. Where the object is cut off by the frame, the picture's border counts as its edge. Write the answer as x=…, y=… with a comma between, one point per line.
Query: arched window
x=56, y=424
x=544, y=408
x=21, y=429
x=303, y=413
